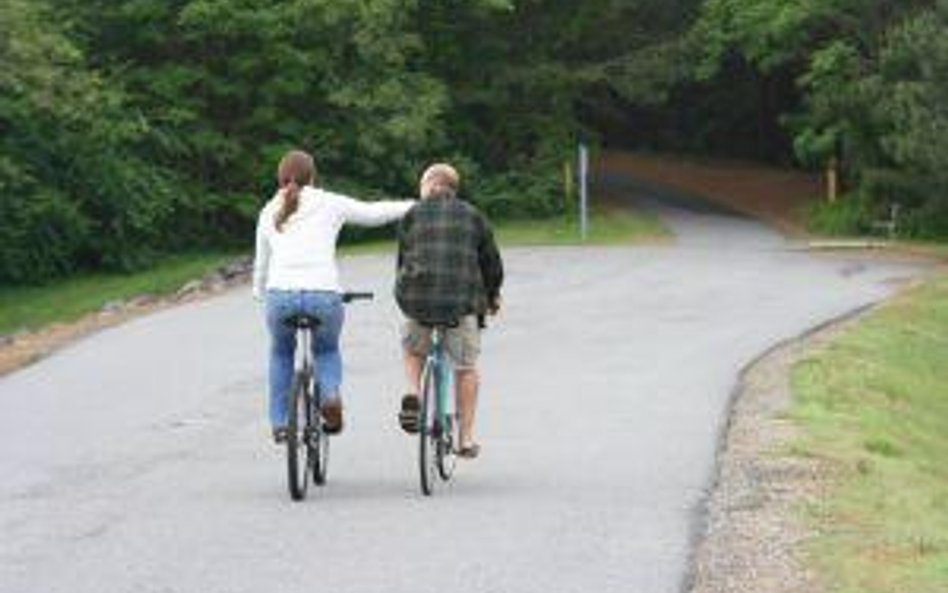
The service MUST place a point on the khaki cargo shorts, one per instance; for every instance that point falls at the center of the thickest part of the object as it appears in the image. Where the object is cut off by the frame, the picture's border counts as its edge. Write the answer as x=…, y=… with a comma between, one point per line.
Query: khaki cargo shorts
x=462, y=343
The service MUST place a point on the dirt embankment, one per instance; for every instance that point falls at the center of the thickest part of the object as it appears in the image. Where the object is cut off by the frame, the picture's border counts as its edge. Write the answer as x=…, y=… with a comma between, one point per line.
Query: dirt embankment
x=777, y=196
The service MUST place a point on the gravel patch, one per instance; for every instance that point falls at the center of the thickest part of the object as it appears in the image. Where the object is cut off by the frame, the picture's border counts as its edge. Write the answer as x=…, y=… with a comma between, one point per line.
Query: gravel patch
x=754, y=534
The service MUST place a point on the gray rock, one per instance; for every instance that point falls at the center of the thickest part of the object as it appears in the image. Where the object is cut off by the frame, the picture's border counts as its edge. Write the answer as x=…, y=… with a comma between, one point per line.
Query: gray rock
x=142, y=300
x=212, y=279
x=215, y=285
x=192, y=287
x=236, y=269
x=112, y=307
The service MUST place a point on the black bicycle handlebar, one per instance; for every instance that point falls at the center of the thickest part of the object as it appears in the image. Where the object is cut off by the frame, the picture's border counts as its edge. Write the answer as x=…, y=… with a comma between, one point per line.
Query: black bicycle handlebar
x=348, y=297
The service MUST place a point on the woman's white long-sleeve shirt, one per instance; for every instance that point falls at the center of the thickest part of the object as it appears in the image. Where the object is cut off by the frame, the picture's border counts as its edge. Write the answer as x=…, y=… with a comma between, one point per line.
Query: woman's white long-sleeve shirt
x=303, y=255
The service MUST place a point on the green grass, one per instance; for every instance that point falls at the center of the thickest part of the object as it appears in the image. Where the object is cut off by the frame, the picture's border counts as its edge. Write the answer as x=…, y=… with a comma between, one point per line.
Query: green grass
x=874, y=405
x=607, y=226
x=31, y=307
x=937, y=249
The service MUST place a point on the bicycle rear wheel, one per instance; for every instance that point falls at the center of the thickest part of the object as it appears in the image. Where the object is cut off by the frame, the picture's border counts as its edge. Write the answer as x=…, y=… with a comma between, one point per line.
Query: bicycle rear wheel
x=297, y=442
x=448, y=424
x=447, y=448
x=428, y=432
x=319, y=444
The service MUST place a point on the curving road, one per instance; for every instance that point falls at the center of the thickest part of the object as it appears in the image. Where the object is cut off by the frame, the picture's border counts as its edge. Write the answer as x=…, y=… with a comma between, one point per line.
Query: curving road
x=137, y=460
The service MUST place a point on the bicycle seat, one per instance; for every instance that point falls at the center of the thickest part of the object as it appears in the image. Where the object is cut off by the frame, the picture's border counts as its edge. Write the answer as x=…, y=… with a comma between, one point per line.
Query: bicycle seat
x=301, y=321
x=449, y=324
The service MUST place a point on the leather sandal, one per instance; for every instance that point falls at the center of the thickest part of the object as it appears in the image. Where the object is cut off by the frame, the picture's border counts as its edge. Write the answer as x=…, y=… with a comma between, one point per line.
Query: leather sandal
x=409, y=415
x=469, y=451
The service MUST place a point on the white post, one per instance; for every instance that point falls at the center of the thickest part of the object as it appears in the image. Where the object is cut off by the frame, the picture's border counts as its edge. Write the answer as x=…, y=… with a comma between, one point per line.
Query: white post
x=583, y=191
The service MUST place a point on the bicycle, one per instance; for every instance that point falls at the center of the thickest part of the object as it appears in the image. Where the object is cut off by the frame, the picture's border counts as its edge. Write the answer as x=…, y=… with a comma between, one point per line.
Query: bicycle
x=307, y=443
x=438, y=429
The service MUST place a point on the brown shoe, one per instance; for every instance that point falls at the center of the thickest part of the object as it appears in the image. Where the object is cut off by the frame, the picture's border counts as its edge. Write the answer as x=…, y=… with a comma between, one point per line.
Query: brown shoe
x=332, y=416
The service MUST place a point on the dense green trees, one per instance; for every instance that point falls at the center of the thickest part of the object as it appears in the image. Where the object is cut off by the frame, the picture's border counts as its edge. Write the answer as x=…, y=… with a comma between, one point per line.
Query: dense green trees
x=872, y=78
x=132, y=127
x=75, y=190
x=230, y=85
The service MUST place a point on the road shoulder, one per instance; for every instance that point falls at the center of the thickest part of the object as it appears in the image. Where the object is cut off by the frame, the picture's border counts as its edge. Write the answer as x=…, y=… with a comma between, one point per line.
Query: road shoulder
x=22, y=349
x=753, y=533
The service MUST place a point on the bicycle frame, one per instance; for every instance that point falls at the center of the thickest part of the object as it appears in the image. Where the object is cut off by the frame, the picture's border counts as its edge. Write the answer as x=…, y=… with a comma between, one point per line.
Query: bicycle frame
x=304, y=355
x=441, y=367
x=439, y=424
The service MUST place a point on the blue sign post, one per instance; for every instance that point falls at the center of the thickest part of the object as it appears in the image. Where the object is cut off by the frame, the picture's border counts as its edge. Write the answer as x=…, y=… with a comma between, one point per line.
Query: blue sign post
x=583, y=191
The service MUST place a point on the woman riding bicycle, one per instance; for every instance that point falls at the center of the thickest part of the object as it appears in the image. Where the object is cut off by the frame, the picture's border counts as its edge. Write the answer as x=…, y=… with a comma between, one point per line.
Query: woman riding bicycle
x=295, y=271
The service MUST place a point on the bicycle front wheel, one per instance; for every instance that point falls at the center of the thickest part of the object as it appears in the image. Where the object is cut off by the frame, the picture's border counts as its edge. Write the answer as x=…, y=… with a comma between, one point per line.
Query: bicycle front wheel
x=297, y=442
x=428, y=431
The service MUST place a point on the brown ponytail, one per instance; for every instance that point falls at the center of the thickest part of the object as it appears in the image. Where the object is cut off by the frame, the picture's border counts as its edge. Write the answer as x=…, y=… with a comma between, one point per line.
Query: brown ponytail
x=296, y=170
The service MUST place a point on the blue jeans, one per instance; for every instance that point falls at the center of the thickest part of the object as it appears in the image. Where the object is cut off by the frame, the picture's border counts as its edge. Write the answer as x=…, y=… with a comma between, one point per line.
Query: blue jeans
x=327, y=306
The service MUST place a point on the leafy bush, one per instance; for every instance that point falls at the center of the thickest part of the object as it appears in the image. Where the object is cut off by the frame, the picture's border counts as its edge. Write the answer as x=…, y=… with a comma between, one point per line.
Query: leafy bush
x=849, y=215
x=40, y=237
x=535, y=193
x=930, y=221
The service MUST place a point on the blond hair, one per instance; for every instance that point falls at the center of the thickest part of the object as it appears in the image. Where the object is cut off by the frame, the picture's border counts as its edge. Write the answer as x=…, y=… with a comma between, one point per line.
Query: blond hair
x=439, y=179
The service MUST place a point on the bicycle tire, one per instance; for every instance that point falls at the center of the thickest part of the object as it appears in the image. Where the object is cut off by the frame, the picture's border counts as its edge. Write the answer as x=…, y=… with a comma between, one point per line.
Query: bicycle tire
x=448, y=434
x=427, y=445
x=319, y=443
x=447, y=454
x=297, y=442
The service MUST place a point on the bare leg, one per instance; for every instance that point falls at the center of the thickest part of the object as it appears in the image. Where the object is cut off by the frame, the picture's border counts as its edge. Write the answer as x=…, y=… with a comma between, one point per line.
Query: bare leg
x=466, y=383
x=408, y=415
x=413, y=368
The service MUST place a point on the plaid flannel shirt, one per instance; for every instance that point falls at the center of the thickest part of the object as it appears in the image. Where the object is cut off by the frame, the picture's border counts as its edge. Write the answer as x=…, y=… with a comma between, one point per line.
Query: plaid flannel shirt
x=448, y=263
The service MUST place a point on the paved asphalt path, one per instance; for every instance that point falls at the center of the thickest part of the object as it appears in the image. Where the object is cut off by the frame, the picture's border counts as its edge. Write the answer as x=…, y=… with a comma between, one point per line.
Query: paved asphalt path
x=138, y=460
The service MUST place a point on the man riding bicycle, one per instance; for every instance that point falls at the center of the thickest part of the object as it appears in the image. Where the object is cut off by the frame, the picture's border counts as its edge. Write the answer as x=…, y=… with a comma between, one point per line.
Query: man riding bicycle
x=449, y=273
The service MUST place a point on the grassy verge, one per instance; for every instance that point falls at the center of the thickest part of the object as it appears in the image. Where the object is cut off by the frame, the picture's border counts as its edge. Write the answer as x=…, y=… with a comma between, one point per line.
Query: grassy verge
x=608, y=225
x=31, y=307
x=874, y=405
x=929, y=248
